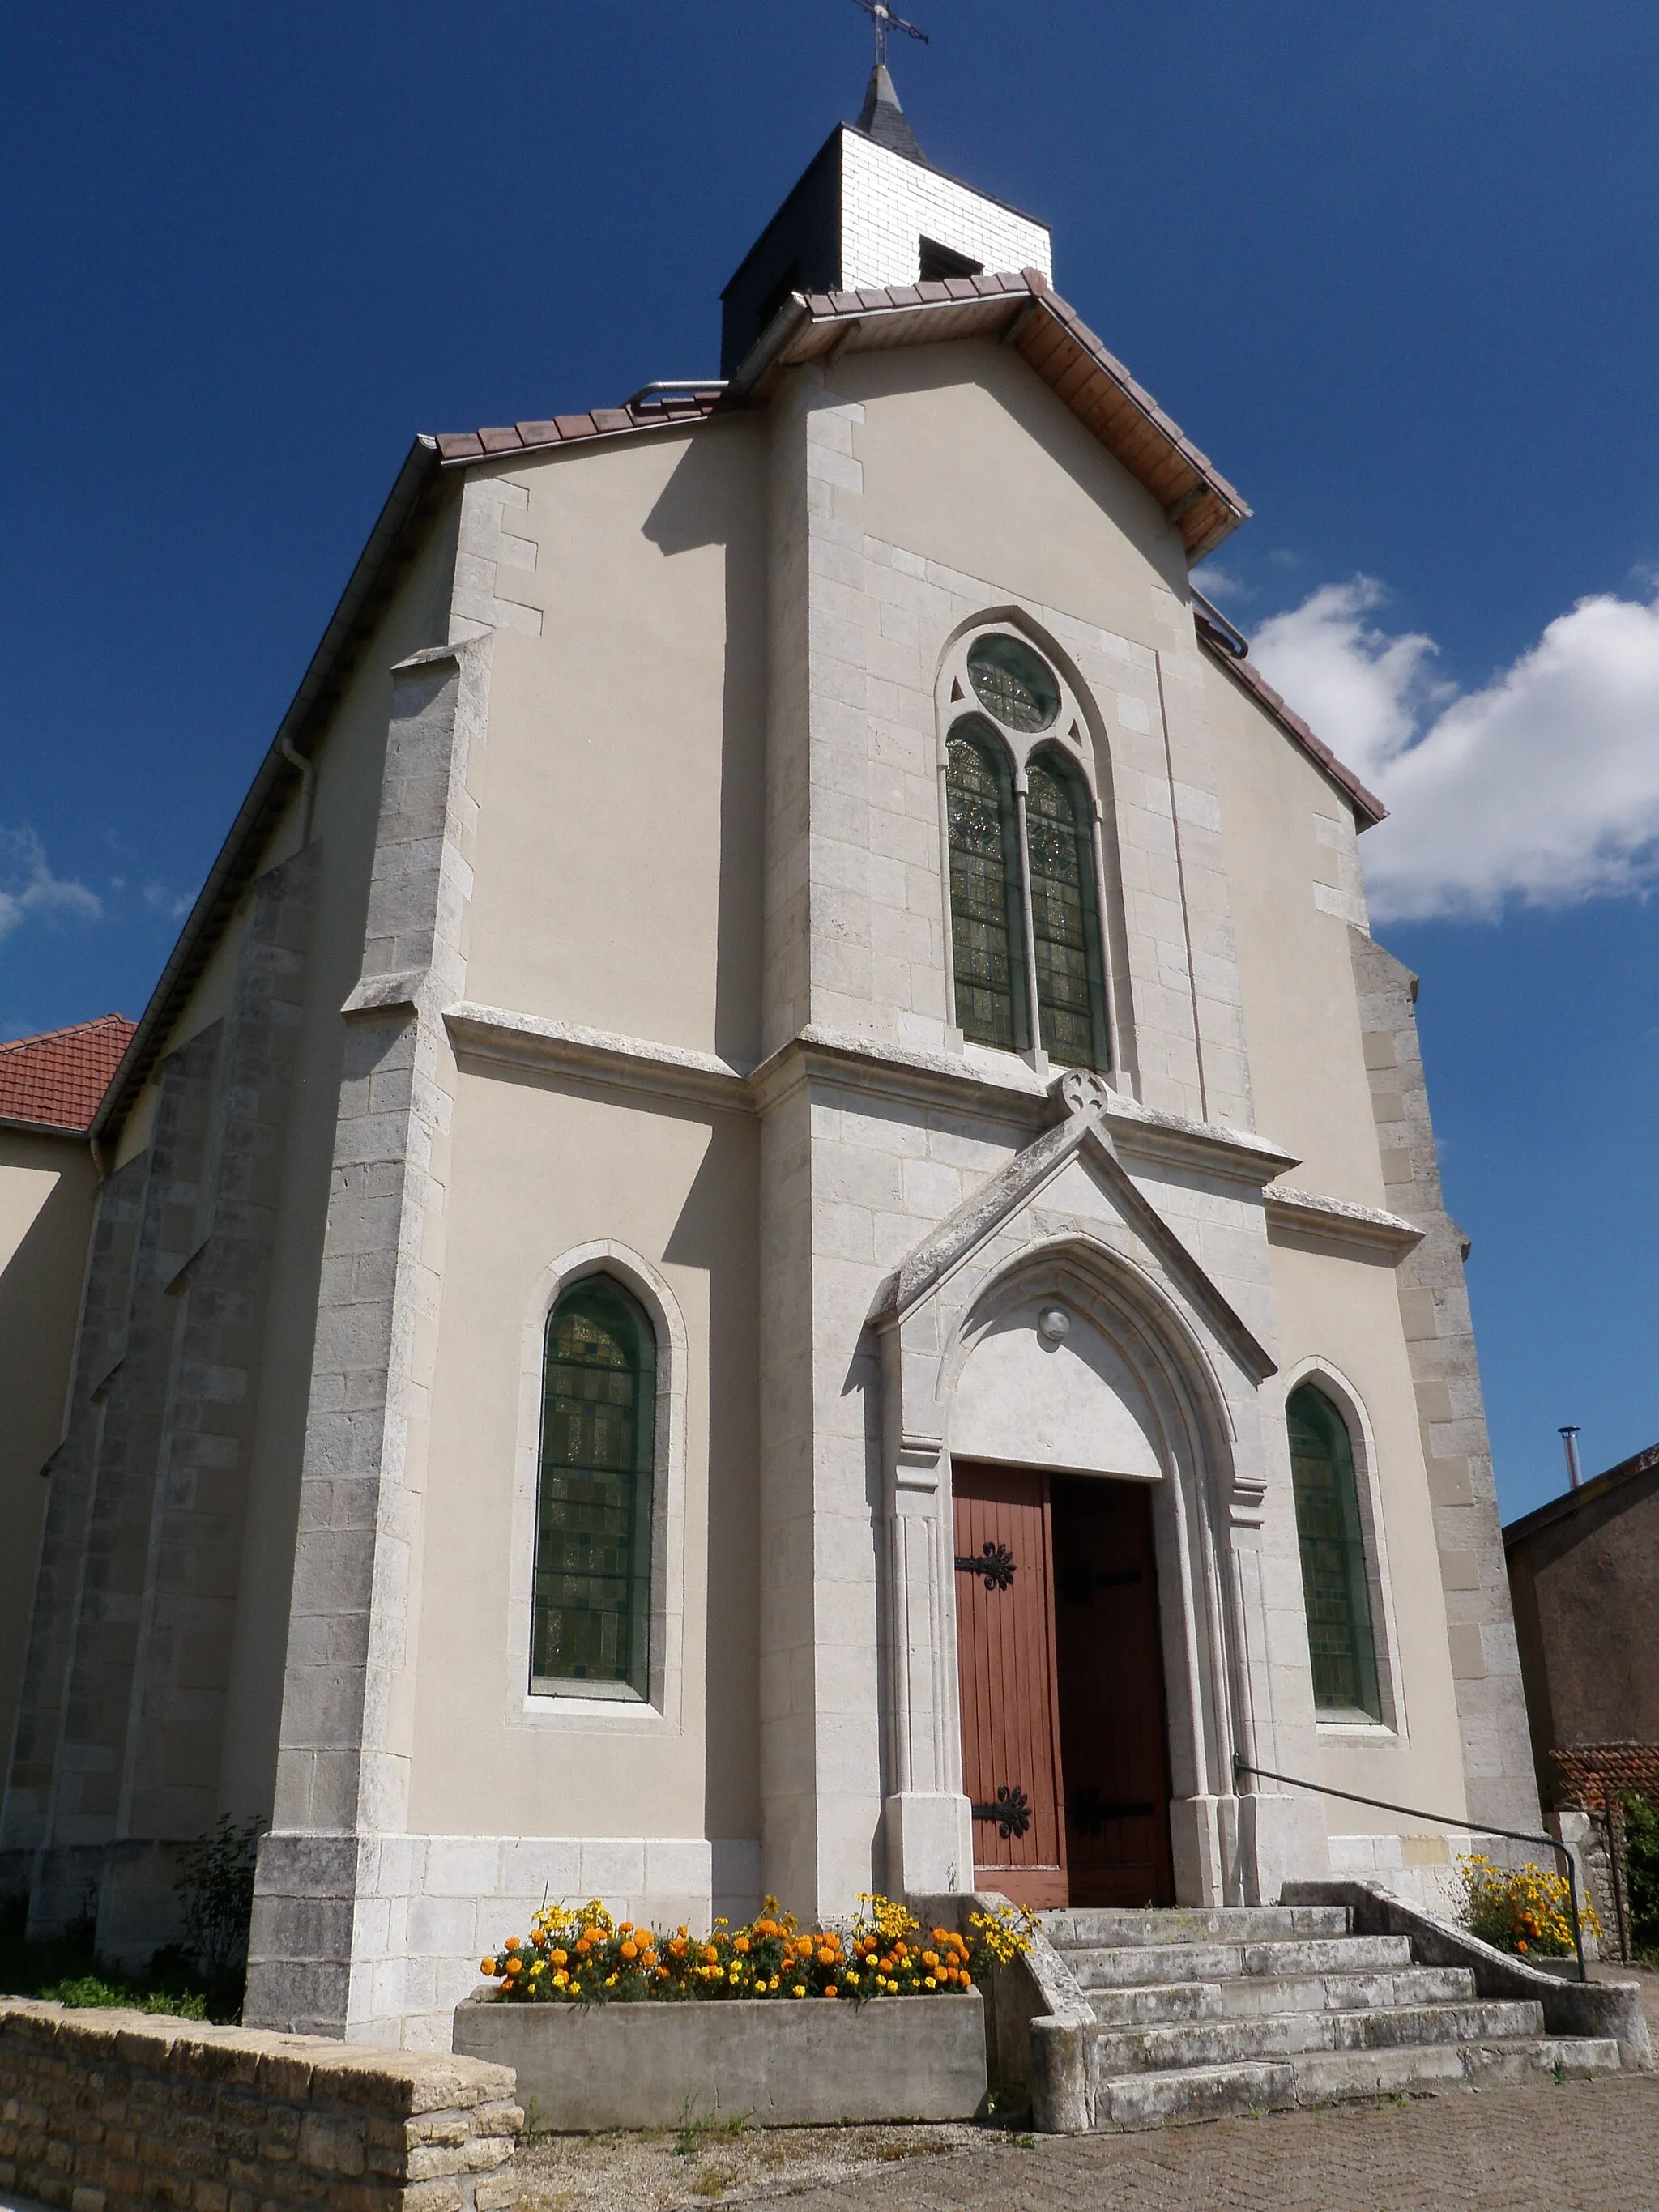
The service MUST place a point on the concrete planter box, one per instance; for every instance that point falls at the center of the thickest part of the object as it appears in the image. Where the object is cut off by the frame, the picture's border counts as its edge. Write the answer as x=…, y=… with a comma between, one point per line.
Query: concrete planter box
x=803, y=2064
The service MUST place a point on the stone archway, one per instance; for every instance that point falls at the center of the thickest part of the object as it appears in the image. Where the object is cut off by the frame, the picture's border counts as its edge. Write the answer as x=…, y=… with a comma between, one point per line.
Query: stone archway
x=1065, y=1225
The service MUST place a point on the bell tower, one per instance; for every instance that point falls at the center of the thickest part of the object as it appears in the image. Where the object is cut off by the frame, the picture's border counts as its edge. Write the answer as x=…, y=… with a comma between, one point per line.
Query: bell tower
x=873, y=211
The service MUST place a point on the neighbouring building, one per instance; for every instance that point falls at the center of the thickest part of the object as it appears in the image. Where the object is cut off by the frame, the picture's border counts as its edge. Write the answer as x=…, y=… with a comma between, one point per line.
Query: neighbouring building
x=1584, y=1578
x=50, y=1087
x=776, y=1227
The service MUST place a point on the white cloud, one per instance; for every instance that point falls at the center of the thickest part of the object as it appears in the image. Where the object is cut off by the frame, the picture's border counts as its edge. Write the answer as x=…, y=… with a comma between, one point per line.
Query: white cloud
x=28, y=887
x=1542, y=786
x=157, y=895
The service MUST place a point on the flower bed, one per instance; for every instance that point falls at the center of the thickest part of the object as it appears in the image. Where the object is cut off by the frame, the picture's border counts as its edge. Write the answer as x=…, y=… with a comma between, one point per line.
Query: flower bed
x=585, y=1957
x=1524, y=1912
x=611, y=2026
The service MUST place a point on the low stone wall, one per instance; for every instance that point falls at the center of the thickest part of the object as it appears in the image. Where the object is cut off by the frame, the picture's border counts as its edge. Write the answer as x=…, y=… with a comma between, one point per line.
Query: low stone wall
x=118, y=2111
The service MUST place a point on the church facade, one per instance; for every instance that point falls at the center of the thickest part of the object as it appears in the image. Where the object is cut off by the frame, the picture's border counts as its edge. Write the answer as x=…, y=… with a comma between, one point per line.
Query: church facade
x=776, y=1227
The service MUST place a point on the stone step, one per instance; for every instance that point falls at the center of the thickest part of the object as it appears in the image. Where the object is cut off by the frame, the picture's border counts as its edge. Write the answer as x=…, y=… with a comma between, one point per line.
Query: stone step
x=1190, y=2044
x=1099, y=1928
x=1202, y=2093
x=1147, y=2004
x=1123, y=1966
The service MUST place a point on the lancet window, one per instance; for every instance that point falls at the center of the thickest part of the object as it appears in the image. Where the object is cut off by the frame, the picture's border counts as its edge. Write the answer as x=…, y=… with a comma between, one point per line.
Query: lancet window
x=591, y=1629
x=1336, y=1584
x=986, y=922
x=1025, y=923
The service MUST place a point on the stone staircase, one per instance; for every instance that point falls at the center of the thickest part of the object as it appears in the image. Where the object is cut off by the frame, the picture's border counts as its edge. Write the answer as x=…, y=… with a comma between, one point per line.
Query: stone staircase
x=1202, y=2013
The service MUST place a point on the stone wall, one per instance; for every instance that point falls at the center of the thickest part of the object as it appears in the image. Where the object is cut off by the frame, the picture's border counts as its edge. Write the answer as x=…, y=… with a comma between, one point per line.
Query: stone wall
x=107, y=2112
x=1434, y=1305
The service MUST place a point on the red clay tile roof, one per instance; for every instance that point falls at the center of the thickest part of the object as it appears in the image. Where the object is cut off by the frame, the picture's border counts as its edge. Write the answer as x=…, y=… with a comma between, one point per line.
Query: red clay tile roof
x=59, y=1080
x=1021, y=308
x=570, y=430
x=1594, y=1774
x=1024, y=311
x=1369, y=806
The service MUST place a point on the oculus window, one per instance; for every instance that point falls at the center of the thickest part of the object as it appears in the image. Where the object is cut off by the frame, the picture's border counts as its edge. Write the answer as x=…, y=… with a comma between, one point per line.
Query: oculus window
x=1013, y=683
x=1335, y=1587
x=590, y=1630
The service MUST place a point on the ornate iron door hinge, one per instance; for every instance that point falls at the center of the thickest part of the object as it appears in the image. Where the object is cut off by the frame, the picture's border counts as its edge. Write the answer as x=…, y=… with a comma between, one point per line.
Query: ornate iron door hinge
x=995, y=1562
x=1012, y=1811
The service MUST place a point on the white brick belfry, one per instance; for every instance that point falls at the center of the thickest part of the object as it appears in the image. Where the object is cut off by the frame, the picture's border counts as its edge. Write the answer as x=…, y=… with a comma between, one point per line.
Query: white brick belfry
x=890, y=204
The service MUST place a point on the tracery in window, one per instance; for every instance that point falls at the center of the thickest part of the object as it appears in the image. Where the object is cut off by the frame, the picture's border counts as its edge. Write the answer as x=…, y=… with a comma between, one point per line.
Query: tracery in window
x=1335, y=1587
x=987, y=930
x=1065, y=925
x=591, y=1627
x=1013, y=683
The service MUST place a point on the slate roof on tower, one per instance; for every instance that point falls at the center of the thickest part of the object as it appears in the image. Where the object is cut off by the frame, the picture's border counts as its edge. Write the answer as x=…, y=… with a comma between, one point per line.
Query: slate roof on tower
x=882, y=119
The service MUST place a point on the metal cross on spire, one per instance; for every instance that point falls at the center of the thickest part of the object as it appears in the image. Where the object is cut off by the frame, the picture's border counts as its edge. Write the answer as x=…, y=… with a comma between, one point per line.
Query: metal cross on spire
x=884, y=19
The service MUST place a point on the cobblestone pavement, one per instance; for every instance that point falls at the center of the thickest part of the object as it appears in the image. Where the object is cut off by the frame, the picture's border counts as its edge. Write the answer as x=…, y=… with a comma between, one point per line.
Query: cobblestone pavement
x=1571, y=2147
x=1589, y=2145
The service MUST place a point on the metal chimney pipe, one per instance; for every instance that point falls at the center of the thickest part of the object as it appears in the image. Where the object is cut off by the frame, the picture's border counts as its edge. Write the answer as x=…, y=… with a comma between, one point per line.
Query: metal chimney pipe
x=1569, y=1436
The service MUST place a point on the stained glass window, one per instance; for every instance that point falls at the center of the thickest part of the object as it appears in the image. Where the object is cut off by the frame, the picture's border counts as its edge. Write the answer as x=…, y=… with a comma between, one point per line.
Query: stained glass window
x=1013, y=683
x=591, y=1625
x=1065, y=925
x=987, y=939
x=1335, y=1584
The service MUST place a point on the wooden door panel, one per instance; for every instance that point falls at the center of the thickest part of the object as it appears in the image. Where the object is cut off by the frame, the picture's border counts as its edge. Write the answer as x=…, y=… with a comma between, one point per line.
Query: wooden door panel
x=1109, y=1665
x=1005, y=1657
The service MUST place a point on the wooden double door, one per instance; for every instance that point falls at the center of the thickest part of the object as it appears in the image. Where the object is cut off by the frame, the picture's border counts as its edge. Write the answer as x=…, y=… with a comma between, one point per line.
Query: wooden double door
x=1064, y=1746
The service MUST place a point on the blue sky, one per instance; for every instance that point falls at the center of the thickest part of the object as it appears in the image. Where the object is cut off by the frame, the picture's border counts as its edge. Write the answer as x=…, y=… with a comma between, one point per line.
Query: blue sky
x=1392, y=265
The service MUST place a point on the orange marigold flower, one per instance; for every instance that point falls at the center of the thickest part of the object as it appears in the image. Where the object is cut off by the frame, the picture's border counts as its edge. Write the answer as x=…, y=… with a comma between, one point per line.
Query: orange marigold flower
x=740, y=1943
x=830, y=1991
x=562, y=1958
x=826, y=1956
x=486, y=1965
x=512, y=1943
x=630, y=1950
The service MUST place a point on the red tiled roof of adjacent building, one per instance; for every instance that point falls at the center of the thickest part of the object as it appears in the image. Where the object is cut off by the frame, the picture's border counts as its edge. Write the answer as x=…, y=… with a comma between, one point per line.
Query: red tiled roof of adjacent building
x=57, y=1080
x=1594, y=1774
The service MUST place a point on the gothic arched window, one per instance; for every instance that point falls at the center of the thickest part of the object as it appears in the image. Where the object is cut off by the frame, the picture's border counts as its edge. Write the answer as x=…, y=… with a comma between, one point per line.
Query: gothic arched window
x=590, y=1630
x=1065, y=925
x=1027, y=951
x=1335, y=1585
x=987, y=923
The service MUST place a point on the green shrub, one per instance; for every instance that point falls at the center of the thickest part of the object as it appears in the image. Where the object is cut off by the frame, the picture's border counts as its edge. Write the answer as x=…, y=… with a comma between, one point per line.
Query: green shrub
x=216, y=1889
x=1642, y=1871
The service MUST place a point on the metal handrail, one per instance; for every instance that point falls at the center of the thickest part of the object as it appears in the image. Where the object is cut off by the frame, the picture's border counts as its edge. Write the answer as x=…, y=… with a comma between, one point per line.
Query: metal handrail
x=1242, y=1765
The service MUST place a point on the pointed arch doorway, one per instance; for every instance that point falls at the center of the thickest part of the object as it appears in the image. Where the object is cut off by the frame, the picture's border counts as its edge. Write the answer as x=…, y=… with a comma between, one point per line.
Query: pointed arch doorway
x=1064, y=1730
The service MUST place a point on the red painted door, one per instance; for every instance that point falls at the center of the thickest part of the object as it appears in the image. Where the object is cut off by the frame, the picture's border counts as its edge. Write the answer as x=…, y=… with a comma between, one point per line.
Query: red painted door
x=1110, y=1667
x=1006, y=1659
